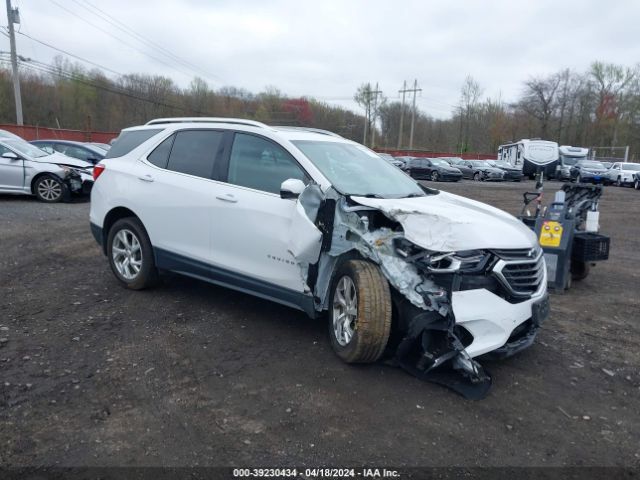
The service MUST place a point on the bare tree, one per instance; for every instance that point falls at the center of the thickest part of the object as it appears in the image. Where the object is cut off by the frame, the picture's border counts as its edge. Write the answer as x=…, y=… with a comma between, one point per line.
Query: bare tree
x=538, y=100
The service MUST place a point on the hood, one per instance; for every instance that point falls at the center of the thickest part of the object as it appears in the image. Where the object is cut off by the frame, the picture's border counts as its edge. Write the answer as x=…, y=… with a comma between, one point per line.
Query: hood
x=491, y=169
x=448, y=169
x=60, y=159
x=447, y=222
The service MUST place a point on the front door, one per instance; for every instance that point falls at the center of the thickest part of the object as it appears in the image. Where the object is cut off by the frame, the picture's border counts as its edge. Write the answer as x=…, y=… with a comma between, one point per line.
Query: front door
x=11, y=172
x=250, y=223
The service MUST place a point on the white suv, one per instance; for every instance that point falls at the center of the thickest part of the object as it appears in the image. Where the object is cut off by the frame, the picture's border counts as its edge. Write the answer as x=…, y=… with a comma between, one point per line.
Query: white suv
x=311, y=220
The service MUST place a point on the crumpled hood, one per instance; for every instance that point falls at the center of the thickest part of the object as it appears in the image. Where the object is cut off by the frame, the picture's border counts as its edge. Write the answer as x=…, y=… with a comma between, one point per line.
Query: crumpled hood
x=447, y=222
x=60, y=159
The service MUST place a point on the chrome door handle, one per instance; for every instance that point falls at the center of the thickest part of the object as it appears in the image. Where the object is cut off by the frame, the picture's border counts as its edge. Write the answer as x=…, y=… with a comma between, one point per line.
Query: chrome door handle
x=146, y=178
x=227, y=198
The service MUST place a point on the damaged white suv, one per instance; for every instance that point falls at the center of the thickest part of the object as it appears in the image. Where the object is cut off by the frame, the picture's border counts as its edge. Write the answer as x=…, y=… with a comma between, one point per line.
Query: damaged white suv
x=311, y=220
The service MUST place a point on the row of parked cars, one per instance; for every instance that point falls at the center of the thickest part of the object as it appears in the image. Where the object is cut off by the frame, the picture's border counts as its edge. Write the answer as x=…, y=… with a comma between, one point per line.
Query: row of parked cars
x=453, y=169
x=621, y=174
x=52, y=170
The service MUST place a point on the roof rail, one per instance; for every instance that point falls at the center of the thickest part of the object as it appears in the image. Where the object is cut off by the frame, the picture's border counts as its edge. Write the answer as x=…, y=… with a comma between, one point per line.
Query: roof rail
x=233, y=121
x=308, y=129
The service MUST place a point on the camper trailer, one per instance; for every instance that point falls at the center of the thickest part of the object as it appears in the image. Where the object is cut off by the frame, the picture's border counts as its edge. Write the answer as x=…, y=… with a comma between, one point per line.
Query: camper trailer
x=528, y=155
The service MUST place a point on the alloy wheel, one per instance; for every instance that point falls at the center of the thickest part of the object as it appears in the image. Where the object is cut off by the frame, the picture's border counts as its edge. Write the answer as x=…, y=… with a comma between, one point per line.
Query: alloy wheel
x=127, y=254
x=434, y=176
x=49, y=189
x=345, y=311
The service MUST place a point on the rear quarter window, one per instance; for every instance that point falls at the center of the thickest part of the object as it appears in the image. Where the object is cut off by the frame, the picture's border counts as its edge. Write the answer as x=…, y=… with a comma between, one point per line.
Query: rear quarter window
x=127, y=141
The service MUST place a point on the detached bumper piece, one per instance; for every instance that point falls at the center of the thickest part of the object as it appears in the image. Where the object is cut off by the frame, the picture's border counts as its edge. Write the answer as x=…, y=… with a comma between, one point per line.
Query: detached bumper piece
x=431, y=351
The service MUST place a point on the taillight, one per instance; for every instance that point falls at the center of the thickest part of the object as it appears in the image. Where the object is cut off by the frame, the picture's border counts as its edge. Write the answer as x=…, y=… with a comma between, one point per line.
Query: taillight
x=97, y=171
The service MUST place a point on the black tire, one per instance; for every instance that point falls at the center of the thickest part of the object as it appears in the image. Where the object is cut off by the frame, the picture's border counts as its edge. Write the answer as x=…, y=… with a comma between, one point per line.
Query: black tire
x=476, y=176
x=49, y=189
x=147, y=276
x=618, y=182
x=435, y=177
x=579, y=270
x=372, y=326
x=636, y=185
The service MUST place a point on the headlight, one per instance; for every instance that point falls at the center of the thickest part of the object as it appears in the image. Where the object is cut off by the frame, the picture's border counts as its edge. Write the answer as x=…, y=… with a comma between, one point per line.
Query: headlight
x=442, y=262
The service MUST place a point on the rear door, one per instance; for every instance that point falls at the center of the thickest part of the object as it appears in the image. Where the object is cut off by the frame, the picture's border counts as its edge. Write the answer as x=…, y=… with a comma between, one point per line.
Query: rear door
x=466, y=169
x=251, y=224
x=176, y=193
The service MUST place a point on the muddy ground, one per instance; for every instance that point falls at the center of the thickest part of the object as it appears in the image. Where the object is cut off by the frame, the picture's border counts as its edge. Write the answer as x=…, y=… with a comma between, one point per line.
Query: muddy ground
x=191, y=374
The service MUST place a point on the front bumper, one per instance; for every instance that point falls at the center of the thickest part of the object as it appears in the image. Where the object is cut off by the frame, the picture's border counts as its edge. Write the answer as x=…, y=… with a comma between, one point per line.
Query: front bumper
x=592, y=177
x=493, y=322
x=450, y=177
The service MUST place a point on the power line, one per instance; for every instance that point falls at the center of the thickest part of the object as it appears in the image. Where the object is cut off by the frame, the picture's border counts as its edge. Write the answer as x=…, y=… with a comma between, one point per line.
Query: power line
x=77, y=57
x=140, y=38
x=119, y=39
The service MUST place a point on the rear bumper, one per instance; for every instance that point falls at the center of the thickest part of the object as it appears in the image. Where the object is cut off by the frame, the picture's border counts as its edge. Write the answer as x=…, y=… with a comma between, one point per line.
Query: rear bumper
x=96, y=231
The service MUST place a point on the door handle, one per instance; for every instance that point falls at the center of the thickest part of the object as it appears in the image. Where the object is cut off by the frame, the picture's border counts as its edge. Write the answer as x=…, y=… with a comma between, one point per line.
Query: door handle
x=146, y=178
x=227, y=198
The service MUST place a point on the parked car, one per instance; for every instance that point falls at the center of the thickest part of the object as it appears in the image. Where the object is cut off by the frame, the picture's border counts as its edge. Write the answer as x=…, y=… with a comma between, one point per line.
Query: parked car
x=82, y=151
x=589, y=171
x=621, y=173
x=322, y=224
x=392, y=160
x=480, y=170
x=510, y=172
x=435, y=169
x=27, y=170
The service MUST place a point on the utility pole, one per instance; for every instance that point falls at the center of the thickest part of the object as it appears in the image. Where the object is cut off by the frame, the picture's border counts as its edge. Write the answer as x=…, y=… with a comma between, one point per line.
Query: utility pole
x=13, y=16
x=413, y=112
x=376, y=92
x=366, y=114
x=403, y=91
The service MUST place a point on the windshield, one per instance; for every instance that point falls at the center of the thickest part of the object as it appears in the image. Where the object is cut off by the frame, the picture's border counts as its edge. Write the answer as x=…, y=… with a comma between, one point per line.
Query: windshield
x=355, y=170
x=631, y=166
x=567, y=160
x=439, y=162
x=592, y=165
x=25, y=148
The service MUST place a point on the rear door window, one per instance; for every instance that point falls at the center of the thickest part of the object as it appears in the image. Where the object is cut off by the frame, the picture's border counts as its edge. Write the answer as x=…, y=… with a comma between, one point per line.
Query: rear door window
x=194, y=152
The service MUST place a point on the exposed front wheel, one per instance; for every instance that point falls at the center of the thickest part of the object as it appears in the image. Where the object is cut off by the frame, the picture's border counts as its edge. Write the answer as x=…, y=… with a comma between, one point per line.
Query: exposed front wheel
x=131, y=255
x=618, y=182
x=476, y=177
x=49, y=189
x=360, y=313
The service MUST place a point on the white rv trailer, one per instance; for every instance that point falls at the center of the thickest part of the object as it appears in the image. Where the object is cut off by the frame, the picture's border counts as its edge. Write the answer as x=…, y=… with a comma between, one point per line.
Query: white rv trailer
x=528, y=155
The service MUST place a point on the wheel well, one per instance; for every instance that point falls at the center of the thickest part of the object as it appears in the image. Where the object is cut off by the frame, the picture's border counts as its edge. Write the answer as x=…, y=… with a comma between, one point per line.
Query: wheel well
x=40, y=175
x=112, y=217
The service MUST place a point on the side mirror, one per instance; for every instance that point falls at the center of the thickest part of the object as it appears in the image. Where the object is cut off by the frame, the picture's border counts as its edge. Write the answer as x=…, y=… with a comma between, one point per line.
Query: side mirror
x=291, y=188
x=10, y=155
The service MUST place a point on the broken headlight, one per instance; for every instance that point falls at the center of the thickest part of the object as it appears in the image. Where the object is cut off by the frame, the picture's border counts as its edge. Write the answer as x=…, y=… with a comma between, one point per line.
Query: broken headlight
x=468, y=261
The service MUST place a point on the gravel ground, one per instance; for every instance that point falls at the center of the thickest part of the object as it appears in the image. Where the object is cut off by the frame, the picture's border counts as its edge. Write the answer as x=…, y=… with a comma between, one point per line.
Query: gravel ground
x=191, y=374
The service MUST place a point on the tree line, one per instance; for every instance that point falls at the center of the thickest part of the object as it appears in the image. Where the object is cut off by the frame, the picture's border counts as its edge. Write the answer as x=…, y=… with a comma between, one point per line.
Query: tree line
x=597, y=107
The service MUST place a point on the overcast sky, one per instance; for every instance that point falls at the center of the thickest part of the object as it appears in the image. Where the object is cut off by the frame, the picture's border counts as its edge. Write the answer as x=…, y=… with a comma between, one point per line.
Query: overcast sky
x=327, y=48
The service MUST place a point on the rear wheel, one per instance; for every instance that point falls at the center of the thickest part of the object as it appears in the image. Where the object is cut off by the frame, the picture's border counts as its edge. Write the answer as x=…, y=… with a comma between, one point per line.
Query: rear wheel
x=49, y=189
x=360, y=315
x=579, y=269
x=131, y=255
x=434, y=176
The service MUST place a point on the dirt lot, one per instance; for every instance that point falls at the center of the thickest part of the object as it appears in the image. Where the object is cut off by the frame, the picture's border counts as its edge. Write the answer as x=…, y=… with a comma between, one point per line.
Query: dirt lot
x=194, y=374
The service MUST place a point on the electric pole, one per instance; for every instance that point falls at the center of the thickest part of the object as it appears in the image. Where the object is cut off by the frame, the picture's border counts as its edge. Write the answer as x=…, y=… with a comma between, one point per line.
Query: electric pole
x=413, y=112
x=13, y=16
x=403, y=91
x=376, y=92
